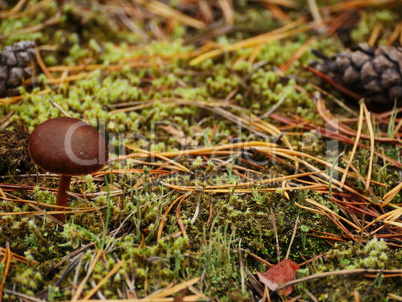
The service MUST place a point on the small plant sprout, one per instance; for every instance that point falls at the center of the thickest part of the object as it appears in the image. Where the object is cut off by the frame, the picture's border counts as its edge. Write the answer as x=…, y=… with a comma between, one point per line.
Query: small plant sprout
x=304, y=230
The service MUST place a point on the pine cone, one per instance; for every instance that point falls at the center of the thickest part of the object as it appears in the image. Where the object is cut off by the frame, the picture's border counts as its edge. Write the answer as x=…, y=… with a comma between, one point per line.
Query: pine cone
x=13, y=65
x=373, y=72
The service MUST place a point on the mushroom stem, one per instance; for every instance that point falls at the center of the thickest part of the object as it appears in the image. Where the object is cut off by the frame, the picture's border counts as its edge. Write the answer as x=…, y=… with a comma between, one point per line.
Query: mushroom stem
x=62, y=196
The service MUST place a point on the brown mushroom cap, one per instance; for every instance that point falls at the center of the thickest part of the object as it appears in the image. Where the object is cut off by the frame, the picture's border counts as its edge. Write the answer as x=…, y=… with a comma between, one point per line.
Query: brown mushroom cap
x=68, y=146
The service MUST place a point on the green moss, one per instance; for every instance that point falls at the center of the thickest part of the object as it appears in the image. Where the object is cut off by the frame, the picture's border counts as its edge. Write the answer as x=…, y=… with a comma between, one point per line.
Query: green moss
x=373, y=255
x=369, y=20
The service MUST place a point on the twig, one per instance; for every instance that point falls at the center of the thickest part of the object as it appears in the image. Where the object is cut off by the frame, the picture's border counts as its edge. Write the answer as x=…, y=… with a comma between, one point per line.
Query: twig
x=392, y=273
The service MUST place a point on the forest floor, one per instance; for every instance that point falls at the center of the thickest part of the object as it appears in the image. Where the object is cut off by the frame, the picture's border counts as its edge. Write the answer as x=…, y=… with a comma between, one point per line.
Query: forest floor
x=228, y=154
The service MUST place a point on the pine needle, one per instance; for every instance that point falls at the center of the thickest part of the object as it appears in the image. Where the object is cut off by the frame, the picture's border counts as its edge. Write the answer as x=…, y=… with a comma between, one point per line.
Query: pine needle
x=292, y=238
x=172, y=290
x=6, y=261
x=175, y=164
x=9, y=13
x=359, y=130
x=42, y=64
x=164, y=216
x=394, y=35
x=164, y=10
x=328, y=210
x=371, y=132
x=286, y=31
x=98, y=286
x=375, y=34
x=297, y=54
x=315, y=13
x=180, y=221
x=15, y=99
x=357, y=4
x=387, y=217
x=387, y=198
x=278, y=248
x=16, y=257
x=51, y=21
x=89, y=272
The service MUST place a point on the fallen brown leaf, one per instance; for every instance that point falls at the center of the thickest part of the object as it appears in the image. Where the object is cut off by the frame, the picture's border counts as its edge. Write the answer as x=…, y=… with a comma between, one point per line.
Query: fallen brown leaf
x=280, y=274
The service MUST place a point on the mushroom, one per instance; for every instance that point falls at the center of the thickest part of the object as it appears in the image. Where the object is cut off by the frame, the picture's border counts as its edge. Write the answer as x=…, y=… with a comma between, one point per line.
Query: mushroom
x=70, y=147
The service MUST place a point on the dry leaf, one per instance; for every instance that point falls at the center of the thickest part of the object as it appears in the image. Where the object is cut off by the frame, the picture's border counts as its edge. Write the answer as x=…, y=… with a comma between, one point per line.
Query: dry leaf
x=280, y=274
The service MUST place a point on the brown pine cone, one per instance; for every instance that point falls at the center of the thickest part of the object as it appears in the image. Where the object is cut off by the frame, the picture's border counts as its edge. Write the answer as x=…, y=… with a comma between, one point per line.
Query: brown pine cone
x=13, y=65
x=373, y=72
